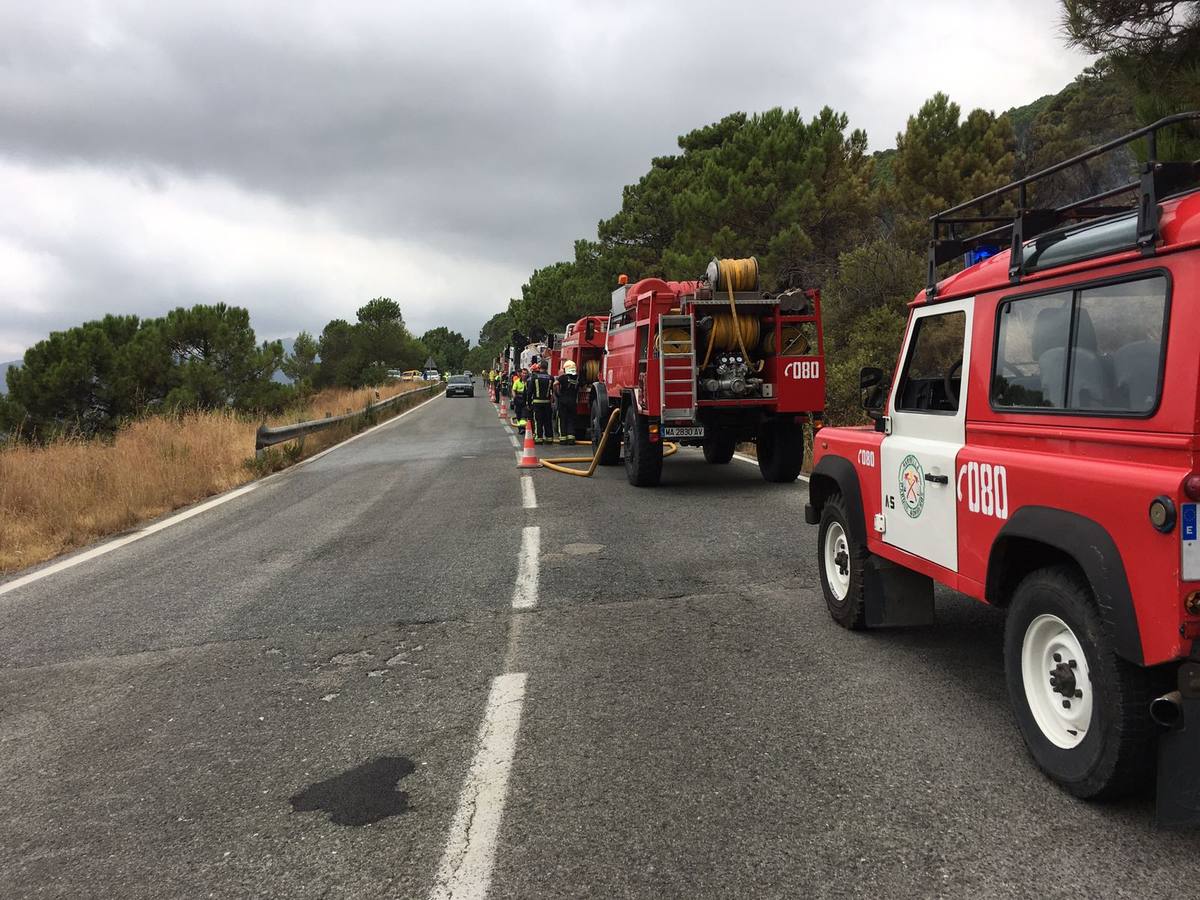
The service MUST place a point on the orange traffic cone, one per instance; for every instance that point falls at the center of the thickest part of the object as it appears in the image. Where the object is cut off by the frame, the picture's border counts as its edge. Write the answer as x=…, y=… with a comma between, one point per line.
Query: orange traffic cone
x=503, y=407
x=529, y=458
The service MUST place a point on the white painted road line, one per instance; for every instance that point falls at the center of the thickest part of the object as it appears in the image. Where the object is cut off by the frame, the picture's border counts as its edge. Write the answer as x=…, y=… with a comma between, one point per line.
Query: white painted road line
x=72, y=561
x=754, y=462
x=513, y=439
x=525, y=593
x=528, y=497
x=465, y=872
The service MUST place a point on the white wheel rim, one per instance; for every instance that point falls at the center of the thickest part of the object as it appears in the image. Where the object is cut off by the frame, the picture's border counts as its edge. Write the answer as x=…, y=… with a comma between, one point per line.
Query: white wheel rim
x=837, y=561
x=1057, y=682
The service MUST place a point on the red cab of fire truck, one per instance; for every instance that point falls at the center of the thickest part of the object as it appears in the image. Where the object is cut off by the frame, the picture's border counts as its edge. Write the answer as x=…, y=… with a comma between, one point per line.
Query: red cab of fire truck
x=1036, y=449
x=710, y=363
x=583, y=344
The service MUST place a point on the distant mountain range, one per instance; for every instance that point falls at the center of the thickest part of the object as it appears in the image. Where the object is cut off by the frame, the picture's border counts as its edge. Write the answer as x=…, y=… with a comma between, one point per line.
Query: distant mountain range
x=4, y=367
x=288, y=344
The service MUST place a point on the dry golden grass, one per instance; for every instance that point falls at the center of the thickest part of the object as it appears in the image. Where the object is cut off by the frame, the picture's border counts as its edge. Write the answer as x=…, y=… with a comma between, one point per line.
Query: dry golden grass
x=72, y=492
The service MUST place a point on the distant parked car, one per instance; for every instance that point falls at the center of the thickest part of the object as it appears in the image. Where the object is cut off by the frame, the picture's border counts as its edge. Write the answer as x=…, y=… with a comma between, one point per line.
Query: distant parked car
x=460, y=386
x=469, y=373
x=411, y=375
x=432, y=375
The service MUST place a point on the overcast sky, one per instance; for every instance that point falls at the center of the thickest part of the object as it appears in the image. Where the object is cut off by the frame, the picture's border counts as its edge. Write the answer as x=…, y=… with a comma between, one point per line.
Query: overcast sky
x=299, y=158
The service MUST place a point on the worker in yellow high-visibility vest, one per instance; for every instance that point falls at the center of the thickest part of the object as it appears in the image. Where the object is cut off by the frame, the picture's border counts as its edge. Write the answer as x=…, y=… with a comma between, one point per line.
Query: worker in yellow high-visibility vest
x=518, y=398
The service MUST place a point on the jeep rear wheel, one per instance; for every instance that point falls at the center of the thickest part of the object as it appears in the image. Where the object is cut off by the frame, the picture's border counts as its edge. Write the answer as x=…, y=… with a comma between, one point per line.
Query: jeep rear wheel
x=1083, y=711
x=841, y=562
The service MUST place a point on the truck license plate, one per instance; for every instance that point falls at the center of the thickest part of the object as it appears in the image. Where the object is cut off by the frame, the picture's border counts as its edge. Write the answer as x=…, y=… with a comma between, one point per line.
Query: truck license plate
x=683, y=432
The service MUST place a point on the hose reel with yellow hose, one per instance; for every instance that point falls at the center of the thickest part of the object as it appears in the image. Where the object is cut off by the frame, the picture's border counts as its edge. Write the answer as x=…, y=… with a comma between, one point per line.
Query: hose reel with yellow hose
x=795, y=341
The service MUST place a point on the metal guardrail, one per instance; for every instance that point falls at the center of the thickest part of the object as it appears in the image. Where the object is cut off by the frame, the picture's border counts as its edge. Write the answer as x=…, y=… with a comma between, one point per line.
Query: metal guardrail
x=268, y=437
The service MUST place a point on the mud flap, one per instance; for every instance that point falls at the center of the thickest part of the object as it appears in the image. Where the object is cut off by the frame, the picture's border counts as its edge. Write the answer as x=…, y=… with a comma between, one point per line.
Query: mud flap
x=1178, y=801
x=895, y=596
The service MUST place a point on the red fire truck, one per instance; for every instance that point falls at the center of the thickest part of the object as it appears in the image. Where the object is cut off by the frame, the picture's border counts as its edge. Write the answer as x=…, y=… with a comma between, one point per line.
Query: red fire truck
x=1037, y=449
x=710, y=363
x=583, y=344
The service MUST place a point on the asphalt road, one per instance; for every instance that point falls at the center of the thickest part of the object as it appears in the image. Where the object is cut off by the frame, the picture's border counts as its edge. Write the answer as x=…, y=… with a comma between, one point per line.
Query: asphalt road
x=321, y=688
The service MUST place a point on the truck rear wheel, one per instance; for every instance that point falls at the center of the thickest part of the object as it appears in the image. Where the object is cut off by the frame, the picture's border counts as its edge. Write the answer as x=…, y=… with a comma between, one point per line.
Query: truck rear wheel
x=842, y=563
x=780, y=451
x=612, y=450
x=1083, y=711
x=718, y=449
x=643, y=457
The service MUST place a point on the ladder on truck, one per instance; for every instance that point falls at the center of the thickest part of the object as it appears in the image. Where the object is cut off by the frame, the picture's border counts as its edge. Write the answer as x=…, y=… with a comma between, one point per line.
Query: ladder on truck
x=677, y=367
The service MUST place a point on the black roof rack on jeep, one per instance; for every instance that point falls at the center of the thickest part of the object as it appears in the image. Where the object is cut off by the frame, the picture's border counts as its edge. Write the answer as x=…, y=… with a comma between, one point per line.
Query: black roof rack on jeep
x=1157, y=180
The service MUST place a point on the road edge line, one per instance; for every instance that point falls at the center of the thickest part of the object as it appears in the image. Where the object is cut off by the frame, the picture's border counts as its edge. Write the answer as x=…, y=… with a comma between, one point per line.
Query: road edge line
x=98, y=550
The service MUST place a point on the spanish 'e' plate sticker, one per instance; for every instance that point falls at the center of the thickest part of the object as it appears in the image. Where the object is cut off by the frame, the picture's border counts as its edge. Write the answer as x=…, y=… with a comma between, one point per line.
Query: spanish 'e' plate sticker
x=1190, y=541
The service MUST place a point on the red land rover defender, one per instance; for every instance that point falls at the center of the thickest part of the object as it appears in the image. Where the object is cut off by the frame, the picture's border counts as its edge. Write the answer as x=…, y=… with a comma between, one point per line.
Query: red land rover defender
x=1037, y=449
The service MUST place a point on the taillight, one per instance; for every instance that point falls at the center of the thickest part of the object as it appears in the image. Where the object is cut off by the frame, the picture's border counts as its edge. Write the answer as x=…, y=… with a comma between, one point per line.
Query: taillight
x=1191, y=486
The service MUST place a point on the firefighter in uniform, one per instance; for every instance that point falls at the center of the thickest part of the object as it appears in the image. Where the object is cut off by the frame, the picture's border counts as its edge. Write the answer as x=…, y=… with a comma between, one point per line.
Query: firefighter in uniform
x=566, y=390
x=540, y=388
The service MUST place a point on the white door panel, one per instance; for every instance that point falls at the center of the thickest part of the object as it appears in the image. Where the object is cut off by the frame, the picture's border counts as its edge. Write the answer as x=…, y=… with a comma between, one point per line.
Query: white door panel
x=917, y=458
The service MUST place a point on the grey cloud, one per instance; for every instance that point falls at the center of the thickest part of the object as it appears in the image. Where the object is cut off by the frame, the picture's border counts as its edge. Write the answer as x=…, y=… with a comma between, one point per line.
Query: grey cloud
x=499, y=133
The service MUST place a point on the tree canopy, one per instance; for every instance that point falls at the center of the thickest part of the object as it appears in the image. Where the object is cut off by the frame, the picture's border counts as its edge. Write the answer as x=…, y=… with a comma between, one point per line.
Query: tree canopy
x=91, y=377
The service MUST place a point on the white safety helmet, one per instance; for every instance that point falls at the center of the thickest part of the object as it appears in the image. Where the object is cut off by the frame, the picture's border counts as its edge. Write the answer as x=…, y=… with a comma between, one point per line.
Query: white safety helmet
x=569, y=367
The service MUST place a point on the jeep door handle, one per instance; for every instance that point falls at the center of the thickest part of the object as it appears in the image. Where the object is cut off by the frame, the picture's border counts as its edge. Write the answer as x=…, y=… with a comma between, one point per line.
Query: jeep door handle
x=937, y=479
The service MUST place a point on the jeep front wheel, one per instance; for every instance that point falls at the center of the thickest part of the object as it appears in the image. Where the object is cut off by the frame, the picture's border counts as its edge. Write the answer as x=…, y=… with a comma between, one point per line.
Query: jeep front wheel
x=1083, y=711
x=841, y=562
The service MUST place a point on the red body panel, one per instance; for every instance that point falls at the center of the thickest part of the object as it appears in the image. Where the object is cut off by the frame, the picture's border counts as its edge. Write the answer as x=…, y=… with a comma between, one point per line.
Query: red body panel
x=581, y=350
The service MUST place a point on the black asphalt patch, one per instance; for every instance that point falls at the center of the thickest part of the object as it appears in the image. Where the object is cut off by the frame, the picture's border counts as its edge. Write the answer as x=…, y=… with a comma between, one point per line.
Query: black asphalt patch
x=362, y=796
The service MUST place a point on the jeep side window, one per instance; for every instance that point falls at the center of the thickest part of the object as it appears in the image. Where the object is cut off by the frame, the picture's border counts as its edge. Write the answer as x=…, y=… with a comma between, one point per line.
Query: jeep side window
x=1031, y=361
x=932, y=380
x=1096, y=349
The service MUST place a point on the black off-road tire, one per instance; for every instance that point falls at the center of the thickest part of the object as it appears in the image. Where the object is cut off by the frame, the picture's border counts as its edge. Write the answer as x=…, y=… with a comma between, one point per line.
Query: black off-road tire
x=612, y=450
x=780, y=451
x=849, y=611
x=719, y=448
x=643, y=457
x=1116, y=756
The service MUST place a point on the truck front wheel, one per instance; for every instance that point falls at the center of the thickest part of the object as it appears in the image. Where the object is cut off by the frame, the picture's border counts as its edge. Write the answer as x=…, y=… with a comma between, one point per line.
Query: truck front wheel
x=842, y=563
x=780, y=451
x=719, y=448
x=1083, y=711
x=643, y=457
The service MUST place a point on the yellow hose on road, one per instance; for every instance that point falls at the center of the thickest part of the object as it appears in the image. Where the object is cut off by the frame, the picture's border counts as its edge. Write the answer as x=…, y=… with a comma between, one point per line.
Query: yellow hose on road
x=594, y=460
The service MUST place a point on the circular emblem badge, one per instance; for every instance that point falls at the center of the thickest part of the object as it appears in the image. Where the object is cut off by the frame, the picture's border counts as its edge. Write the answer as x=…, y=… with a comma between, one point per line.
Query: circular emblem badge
x=912, y=486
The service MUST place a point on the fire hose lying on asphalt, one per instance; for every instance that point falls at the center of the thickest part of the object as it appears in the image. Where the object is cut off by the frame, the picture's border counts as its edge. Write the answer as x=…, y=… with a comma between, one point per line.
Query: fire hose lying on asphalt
x=593, y=460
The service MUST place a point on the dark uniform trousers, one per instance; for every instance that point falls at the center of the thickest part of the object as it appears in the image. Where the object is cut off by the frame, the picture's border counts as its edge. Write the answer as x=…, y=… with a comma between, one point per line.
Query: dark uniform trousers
x=539, y=397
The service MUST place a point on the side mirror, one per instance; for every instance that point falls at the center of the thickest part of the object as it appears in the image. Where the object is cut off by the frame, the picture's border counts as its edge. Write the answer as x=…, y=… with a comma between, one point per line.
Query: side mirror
x=873, y=385
x=869, y=377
